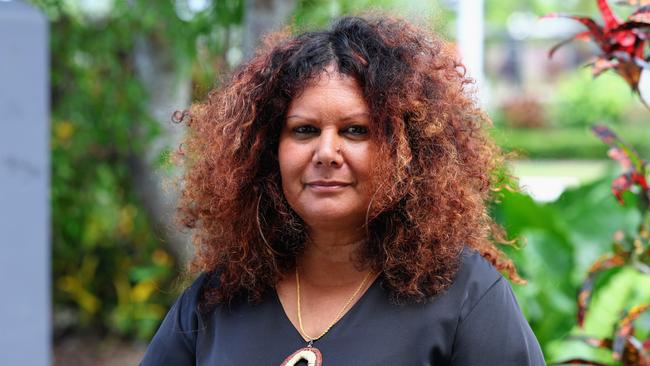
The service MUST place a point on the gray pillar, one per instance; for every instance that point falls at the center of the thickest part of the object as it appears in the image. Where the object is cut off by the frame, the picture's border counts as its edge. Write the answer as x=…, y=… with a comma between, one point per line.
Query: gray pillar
x=24, y=187
x=470, y=36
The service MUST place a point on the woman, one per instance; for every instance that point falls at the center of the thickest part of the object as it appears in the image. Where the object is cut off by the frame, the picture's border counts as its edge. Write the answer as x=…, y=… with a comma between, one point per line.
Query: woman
x=337, y=189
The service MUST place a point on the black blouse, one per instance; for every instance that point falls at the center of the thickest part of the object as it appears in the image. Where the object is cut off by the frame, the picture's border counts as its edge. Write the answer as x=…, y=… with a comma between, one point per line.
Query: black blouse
x=476, y=321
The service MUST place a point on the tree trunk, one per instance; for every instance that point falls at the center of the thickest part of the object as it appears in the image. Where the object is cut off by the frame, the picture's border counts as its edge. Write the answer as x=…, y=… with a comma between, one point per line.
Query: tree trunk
x=158, y=188
x=261, y=17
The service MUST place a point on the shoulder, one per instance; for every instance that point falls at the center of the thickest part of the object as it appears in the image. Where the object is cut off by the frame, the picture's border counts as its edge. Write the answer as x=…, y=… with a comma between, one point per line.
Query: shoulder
x=188, y=302
x=183, y=315
x=491, y=328
x=191, y=306
x=475, y=278
x=473, y=267
x=175, y=341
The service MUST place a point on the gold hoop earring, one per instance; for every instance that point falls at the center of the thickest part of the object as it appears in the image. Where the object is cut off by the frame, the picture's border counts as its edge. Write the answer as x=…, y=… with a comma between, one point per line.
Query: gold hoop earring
x=259, y=227
x=372, y=198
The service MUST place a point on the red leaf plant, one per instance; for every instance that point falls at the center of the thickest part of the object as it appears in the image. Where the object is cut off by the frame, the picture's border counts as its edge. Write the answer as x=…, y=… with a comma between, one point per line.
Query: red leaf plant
x=634, y=168
x=621, y=43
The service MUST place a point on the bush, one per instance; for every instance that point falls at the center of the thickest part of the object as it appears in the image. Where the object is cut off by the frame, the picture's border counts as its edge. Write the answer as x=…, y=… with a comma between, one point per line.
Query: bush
x=560, y=241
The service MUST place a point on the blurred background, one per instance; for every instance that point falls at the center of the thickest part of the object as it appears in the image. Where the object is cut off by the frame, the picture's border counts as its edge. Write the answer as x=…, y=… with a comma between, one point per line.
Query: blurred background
x=119, y=69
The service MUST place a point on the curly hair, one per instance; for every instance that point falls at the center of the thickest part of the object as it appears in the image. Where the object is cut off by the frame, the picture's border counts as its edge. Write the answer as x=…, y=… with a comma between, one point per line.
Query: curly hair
x=435, y=178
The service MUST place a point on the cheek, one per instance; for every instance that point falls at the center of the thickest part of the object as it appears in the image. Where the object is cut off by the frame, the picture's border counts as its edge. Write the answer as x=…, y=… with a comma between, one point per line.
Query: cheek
x=289, y=162
x=361, y=160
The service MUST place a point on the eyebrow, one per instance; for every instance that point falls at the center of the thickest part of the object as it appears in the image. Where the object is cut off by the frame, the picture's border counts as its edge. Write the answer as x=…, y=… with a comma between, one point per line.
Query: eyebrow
x=350, y=116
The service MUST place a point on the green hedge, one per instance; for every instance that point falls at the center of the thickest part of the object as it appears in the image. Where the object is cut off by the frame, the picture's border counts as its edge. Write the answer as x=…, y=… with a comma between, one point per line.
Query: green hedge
x=567, y=143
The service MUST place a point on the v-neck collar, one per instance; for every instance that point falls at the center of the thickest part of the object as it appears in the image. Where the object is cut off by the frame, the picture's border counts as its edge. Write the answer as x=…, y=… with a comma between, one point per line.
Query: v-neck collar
x=353, y=309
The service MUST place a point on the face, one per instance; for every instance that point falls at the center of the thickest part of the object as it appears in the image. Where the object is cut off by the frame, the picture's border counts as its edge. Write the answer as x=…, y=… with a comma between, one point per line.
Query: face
x=326, y=153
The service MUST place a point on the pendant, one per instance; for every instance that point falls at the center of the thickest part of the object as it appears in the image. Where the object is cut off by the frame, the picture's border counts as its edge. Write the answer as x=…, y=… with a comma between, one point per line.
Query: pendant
x=310, y=354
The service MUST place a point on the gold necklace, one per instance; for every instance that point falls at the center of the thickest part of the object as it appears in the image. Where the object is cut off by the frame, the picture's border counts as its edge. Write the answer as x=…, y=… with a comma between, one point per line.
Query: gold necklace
x=338, y=315
x=310, y=353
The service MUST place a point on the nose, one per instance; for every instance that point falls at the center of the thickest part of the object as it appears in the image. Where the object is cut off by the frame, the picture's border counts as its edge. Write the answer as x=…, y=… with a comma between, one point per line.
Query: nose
x=328, y=148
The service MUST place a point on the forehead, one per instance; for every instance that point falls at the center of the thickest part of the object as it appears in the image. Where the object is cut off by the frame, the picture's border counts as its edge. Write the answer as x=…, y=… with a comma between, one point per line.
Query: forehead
x=329, y=94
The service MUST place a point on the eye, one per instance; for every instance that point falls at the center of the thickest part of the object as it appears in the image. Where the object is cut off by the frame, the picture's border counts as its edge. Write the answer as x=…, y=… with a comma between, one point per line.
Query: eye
x=357, y=130
x=304, y=130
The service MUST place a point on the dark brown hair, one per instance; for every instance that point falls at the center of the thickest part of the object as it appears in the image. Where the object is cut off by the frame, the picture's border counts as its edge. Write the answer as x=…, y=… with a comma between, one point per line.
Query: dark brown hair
x=433, y=184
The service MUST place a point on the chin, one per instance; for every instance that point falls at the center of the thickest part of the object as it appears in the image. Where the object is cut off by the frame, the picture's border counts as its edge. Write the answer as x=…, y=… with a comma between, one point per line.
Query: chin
x=333, y=218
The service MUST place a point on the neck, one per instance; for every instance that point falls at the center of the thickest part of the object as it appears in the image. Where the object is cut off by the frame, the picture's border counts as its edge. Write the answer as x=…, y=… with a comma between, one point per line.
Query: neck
x=328, y=257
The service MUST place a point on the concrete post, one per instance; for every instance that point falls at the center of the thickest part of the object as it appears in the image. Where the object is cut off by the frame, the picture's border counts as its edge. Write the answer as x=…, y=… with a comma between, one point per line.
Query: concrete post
x=25, y=326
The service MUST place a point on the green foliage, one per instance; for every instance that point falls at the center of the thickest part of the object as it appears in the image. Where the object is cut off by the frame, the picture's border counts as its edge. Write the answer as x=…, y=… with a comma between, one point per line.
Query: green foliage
x=560, y=240
x=110, y=272
x=580, y=100
x=618, y=281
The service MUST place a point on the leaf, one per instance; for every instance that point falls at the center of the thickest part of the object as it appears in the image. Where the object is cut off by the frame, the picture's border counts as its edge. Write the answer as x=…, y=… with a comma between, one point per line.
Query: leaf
x=546, y=259
x=625, y=347
x=629, y=70
x=595, y=342
x=605, y=134
x=601, y=64
x=626, y=286
x=634, y=25
x=625, y=181
x=620, y=185
x=603, y=263
x=632, y=164
x=582, y=36
x=611, y=20
x=593, y=28
x=641, y=15
x=620, y=156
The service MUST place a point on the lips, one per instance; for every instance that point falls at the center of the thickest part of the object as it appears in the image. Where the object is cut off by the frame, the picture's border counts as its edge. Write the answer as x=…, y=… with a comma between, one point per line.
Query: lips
x=327, y=186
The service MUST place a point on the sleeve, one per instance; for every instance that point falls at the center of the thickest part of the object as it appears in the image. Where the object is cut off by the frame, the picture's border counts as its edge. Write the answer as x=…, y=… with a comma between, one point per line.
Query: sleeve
x=175, y=341
x=495, y=332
